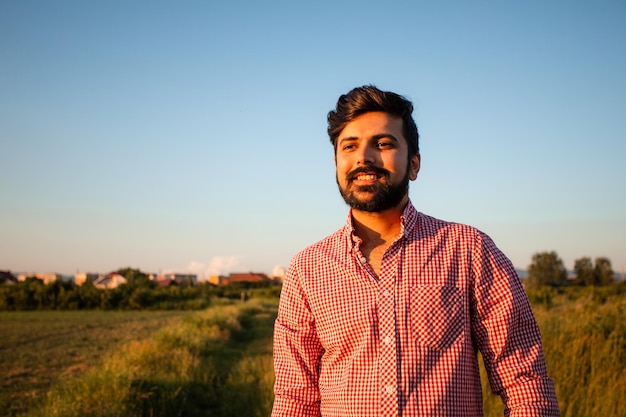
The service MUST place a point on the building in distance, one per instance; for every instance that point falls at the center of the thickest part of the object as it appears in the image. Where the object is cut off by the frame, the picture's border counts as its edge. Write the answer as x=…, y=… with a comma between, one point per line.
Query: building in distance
x=239, y=277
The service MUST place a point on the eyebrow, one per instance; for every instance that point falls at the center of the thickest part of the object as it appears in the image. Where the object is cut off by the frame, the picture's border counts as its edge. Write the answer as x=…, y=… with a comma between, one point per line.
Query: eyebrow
x=373, y=138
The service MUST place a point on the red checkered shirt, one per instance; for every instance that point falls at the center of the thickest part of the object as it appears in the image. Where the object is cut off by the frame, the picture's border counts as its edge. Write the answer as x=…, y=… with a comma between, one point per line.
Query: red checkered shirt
x=348, y=342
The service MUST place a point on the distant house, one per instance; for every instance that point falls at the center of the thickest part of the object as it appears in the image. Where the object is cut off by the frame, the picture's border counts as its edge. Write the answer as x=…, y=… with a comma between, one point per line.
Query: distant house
x=165, y=282
x=82, y=277
x=177, y=278
x=109, y=281
x=239, y=277
x=216, y=279
x=47, y=278
x=6, y=277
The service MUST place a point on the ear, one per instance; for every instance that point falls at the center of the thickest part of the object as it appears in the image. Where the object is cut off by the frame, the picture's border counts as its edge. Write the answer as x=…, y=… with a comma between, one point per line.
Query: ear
x=414, y=166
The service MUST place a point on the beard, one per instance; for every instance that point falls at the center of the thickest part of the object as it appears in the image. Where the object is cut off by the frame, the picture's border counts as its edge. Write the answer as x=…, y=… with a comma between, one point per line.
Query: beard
x=384, y=195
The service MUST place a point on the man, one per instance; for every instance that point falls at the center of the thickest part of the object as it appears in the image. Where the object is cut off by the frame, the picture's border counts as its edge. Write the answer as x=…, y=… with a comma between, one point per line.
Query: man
x=385, y=316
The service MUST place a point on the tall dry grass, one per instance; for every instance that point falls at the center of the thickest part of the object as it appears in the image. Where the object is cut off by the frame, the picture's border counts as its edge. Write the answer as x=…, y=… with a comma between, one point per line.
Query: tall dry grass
x=584, y=340
x=199, y=366
x=218, y=363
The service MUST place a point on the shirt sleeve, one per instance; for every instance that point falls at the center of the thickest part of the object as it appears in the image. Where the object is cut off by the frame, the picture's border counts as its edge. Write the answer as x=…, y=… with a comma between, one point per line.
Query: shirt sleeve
x=508, y=336
x=297, y=353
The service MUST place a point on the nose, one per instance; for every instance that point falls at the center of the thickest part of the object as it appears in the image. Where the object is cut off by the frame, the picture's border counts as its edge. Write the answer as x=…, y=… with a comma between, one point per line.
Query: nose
x=365, y=156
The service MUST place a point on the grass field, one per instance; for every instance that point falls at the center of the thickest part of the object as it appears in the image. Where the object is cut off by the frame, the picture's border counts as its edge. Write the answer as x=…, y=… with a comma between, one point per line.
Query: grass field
x=584, y=340
x=40, y=348
x=212, y=362
x=218, y=362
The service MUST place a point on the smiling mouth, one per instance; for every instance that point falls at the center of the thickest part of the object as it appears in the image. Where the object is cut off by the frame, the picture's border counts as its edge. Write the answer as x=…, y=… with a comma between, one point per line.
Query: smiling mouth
x=366, y=177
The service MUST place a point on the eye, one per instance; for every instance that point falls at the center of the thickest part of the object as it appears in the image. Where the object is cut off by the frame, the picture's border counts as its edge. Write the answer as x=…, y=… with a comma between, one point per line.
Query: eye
x=384, y=144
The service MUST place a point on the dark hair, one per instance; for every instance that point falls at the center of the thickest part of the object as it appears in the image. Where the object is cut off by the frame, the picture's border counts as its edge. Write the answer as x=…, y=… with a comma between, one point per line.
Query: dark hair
x=369, y=98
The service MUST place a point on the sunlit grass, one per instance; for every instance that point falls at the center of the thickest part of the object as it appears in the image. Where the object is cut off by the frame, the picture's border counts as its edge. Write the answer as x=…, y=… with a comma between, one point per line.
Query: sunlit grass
x=193, y=367
x=40, y=348
x=218, y=362
x=584, y=339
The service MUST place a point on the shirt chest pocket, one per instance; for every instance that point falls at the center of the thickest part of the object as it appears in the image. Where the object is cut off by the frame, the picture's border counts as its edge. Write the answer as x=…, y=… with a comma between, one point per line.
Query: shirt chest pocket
x=436, y=315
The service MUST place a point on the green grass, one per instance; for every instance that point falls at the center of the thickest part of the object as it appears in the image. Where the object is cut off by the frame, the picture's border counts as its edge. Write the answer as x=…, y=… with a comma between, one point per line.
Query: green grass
x=41, y=348
x=584, y=339
x=211, y=363
x=218, y=362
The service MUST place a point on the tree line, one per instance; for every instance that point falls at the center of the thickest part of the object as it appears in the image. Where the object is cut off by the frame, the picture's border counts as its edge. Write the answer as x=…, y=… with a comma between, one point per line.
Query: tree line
x=139, y=293
x=547, y=269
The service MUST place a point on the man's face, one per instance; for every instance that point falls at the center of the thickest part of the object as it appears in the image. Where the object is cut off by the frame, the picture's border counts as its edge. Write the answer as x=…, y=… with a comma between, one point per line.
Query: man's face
x=373, y=164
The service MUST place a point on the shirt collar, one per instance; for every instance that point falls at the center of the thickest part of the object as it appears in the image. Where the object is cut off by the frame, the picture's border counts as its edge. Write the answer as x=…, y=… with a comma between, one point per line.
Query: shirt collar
x=408, y=222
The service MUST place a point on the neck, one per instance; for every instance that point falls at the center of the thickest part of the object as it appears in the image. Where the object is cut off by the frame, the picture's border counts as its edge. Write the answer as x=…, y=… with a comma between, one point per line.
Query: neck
x=380, y=227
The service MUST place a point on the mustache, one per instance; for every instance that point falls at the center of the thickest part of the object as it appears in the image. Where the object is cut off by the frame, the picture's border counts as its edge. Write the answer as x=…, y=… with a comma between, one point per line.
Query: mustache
x=367, y=170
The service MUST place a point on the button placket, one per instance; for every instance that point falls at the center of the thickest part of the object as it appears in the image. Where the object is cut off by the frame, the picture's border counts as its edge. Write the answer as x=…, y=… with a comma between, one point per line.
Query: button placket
x=388, y=377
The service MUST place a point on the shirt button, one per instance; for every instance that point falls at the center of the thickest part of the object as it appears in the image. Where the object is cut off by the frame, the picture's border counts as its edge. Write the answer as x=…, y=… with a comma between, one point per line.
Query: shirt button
x=363, y=260
x=387, y=340
x=389, y=389
x=386, y=293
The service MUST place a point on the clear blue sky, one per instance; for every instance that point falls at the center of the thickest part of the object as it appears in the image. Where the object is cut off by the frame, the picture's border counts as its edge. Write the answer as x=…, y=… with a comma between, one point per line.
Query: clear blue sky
x=191, y=136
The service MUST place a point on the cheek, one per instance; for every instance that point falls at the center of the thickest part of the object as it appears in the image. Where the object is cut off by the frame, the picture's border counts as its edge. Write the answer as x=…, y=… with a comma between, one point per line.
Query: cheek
x=342, y=165
x=397, y=164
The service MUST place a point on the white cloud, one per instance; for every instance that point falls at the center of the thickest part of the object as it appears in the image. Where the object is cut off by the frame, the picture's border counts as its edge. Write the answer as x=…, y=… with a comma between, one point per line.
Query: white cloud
x=196, y=267
x=279, y=271
x=218, y=265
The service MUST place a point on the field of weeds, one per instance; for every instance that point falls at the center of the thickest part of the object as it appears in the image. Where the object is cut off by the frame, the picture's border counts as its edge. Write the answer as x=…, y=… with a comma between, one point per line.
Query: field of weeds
x=218, y=362
x=214, y=362
x=42, y=348
x=584, y=339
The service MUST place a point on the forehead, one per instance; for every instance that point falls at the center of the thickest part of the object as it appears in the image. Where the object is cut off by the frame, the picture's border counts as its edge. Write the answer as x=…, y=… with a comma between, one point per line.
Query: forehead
x=372, y=124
